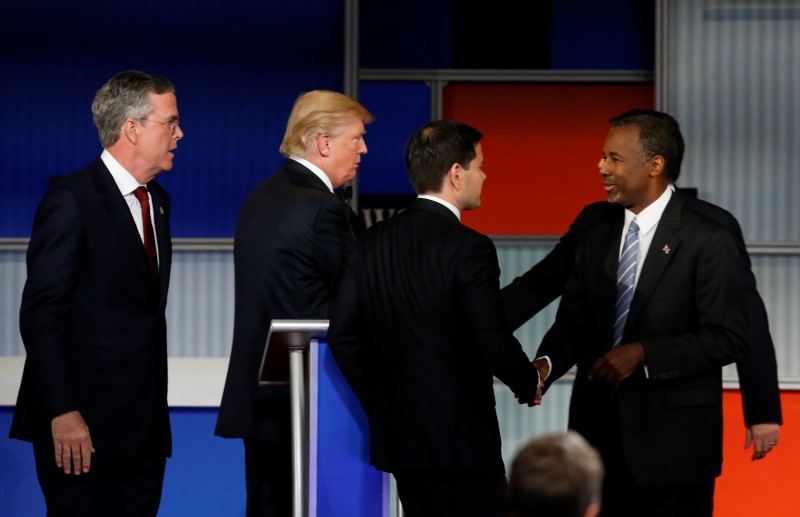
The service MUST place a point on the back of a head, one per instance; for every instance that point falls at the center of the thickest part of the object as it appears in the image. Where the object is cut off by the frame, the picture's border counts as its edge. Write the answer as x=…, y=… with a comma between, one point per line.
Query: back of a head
x=124, y=96
x=659, y=134
x=556, y=475
x=319, y=112
x=434, y=148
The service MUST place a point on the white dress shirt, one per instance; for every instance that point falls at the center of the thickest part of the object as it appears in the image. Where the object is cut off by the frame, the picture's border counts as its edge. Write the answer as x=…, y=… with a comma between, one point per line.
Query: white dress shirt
x=126, y=184
x=316, y=170
x=442, y=202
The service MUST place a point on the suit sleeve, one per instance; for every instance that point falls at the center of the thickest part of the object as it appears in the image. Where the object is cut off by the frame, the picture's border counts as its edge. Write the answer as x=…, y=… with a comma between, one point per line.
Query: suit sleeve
x=53, y=262
x=347, y=337
x=565, y=342
x=534, y=290
x=758, y=370
x=477, y=275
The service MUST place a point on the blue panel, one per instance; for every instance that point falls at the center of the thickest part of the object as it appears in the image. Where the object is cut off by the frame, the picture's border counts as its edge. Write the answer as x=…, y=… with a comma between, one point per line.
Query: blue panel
x=238, y=67
x=399, y=109
x=346, y=483
x=408, y=34
x=205, y=475
x=612, y=35
x=19, y=489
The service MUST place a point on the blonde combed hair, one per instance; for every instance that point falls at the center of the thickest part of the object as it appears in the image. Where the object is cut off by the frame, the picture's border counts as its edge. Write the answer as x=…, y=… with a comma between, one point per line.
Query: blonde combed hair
x=319, y=112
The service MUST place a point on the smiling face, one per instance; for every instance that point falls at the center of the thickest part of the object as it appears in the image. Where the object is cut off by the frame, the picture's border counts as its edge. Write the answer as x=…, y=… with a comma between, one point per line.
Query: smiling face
x=157, y=140
x=630, y=178
x=344, y=152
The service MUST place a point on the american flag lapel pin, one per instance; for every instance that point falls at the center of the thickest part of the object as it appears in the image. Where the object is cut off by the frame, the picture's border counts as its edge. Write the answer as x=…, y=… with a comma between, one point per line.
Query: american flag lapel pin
x=665, y=249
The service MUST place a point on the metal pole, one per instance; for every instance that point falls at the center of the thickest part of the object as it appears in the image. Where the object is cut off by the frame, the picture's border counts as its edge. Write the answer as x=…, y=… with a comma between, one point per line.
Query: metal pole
x=299, y=431
x=662, y=55
x=300, y=333
x=351, y=65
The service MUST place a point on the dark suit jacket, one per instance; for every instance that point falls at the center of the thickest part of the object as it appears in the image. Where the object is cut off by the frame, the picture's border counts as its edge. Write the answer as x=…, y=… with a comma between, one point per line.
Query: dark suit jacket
x=758, y=372
x=689, y=314
x=92, y=320
x=291, y=241
x=418, y=331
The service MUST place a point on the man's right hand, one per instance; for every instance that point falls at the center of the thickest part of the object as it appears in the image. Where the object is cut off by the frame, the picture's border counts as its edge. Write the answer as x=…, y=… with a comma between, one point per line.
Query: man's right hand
x=543, y=366
x=73, y=444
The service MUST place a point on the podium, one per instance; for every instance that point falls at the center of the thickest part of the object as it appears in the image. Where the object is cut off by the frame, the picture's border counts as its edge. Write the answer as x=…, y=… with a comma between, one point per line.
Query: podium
x=331, y=474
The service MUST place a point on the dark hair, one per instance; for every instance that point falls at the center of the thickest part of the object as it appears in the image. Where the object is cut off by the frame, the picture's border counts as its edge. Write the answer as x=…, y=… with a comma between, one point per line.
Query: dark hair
x=434, y=148
x=659, y=134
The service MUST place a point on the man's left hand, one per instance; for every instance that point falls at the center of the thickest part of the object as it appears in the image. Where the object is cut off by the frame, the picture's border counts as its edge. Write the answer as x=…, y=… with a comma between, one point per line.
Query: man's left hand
x=764, y=438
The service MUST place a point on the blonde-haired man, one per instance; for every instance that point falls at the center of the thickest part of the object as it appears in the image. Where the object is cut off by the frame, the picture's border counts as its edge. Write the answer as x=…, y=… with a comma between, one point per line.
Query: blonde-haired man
x=292, y=237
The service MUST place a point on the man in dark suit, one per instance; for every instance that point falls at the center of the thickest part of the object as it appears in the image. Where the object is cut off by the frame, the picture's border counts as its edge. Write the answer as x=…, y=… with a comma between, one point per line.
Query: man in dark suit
x=292, y=237
x=652, y=310
x=93, y=398
x=758, y=371
x=419, y=331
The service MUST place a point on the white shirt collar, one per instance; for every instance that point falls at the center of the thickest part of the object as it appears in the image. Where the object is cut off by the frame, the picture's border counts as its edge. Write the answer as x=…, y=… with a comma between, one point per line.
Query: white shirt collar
x=316, y=170
x=648, y=218
x=441, y=201
x=125, y=181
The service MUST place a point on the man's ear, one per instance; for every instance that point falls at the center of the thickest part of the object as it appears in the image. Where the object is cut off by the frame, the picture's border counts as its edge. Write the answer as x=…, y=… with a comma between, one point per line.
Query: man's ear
x=455, y=177
x=657, y=165
x=130, y=130
x=324, y=145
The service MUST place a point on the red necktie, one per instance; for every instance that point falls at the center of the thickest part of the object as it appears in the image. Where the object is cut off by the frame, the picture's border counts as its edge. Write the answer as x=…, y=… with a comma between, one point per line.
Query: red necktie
x=147, y=224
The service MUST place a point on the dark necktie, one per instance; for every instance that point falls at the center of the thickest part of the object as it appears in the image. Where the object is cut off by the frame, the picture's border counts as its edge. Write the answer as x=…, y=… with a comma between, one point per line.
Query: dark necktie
x=626, y=276
x=147, y=226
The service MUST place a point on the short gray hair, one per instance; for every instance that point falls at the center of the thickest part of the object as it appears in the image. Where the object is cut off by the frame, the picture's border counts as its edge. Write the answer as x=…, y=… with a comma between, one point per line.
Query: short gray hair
x=125, y=96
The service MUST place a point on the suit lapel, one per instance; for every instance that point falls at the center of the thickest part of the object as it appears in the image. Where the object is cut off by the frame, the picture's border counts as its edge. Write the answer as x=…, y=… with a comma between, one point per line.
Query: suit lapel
x=120, y=217
x=663, y=247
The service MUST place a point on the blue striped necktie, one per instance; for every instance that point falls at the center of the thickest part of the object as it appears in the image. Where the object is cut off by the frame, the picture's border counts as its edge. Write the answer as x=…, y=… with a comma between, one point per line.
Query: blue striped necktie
x=626, y=275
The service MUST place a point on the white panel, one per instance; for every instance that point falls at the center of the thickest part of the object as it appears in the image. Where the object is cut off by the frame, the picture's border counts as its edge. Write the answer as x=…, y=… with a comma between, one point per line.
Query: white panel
x=201, y=304
x=200, y=309
x=12, y=280
x=732, y=79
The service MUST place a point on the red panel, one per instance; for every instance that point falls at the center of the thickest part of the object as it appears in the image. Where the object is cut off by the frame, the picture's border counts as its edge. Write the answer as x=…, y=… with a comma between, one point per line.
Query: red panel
x=763, y=487
x=541, y=146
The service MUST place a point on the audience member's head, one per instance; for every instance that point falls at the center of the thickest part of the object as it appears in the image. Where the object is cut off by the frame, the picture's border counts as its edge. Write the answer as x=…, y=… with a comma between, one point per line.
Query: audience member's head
x=556, y=475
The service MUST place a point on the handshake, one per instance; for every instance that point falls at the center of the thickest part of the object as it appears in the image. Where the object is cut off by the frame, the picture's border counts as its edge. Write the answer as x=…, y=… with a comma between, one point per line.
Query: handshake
x=543, y=369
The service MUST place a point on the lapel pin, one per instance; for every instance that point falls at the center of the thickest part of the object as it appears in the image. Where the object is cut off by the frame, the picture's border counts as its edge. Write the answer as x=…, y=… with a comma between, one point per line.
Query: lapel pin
x=161, y=211
x=665, y=249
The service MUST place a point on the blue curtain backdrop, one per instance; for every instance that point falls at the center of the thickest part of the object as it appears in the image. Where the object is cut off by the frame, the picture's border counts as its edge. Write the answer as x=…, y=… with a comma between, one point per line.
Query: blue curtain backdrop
x=238, y=66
